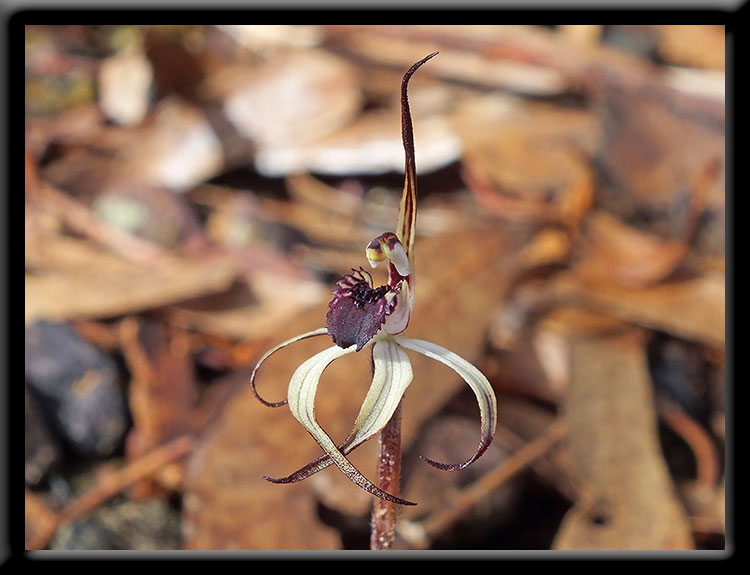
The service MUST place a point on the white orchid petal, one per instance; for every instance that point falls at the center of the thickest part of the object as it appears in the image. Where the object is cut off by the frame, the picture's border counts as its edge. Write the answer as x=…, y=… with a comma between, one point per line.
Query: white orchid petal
x=476, y=381
x=270, y=352
x=392, y=374
x=301, y=399
x=304, y=383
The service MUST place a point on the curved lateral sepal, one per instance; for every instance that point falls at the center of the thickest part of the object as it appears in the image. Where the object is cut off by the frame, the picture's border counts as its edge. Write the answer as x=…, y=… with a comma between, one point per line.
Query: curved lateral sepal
x=270, y=352
x=392, y=374
x=301, y=399
x=479, y=385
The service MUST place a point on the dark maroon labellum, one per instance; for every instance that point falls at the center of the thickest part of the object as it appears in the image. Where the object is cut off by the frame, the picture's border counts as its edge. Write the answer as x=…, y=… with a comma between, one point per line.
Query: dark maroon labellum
x=357, y=310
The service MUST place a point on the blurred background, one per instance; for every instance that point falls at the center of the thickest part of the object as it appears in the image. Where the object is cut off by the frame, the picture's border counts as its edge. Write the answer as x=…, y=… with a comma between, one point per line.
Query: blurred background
x=194, y=192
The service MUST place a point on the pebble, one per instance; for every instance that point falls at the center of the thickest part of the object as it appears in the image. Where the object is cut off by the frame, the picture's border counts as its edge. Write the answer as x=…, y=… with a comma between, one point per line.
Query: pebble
x=151, y=524
x=76, y=387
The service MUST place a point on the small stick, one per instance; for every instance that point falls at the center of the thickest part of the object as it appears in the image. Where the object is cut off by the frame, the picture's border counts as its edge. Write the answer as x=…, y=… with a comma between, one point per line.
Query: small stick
x=80, y=219
x=490, y=482
x=105, y=489
x=144, y=466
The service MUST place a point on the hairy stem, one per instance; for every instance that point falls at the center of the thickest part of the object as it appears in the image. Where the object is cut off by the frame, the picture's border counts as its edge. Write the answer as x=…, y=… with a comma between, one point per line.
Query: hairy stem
x=383, y=525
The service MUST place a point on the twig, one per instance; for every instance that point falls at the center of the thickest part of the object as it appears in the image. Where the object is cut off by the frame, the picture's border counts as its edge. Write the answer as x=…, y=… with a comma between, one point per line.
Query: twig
x=79, y=218
x=142, y=467
x=480, y=489
x=113, y=484
x=542, y=466
x=697, y=438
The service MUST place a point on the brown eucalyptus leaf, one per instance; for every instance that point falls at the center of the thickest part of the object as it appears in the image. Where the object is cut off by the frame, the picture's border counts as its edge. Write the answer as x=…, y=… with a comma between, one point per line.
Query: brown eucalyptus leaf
x=178, y=149
x=371, y=144
x=162, y=392
x=654, y=147
x=294, y=97
x=692, y=308
x=685, y=45
x=627, y=498
x=460, y=278
x=527, y=161
x=72, y=279
x=616, y=252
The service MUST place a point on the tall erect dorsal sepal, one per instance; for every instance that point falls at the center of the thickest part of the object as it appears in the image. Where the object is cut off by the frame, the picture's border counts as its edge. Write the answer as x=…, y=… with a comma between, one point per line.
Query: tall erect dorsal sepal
x=407, y=214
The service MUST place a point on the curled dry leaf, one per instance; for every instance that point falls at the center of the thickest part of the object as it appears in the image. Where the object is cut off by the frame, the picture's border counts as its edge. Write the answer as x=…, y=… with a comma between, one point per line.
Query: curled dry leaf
x=613, y=251
x=177, y=150
x=619, y=253
x=369, y=145
x=296, y=97
x=527, y=162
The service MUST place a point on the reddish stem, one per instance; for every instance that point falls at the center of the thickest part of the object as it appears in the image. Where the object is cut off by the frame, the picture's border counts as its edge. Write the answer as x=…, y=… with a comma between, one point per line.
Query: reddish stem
x=384, y=513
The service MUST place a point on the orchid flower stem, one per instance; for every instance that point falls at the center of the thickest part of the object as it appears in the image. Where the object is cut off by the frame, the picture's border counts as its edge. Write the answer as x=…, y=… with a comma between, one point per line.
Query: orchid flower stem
x=384, y=513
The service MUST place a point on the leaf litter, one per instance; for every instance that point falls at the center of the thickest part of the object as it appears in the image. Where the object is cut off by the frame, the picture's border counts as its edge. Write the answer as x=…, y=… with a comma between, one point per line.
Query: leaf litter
x=574, y=183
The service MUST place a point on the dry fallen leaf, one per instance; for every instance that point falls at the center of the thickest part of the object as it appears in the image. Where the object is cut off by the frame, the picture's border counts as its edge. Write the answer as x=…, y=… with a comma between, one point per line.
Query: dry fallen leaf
x=692, y=308
x=162, y=392
x=297, y=96
x=530, y=128
x=624, y=255
x=68, y=278
x=371, y=144
x=627, y=498
x=527, y=162
x=177, y=149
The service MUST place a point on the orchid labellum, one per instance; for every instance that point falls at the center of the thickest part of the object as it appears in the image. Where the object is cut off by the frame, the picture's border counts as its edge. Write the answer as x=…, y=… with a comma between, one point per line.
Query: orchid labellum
x=362, y=316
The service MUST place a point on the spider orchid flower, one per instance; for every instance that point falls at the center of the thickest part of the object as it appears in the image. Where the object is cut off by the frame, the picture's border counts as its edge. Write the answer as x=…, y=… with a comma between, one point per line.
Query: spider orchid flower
x=362, y=316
